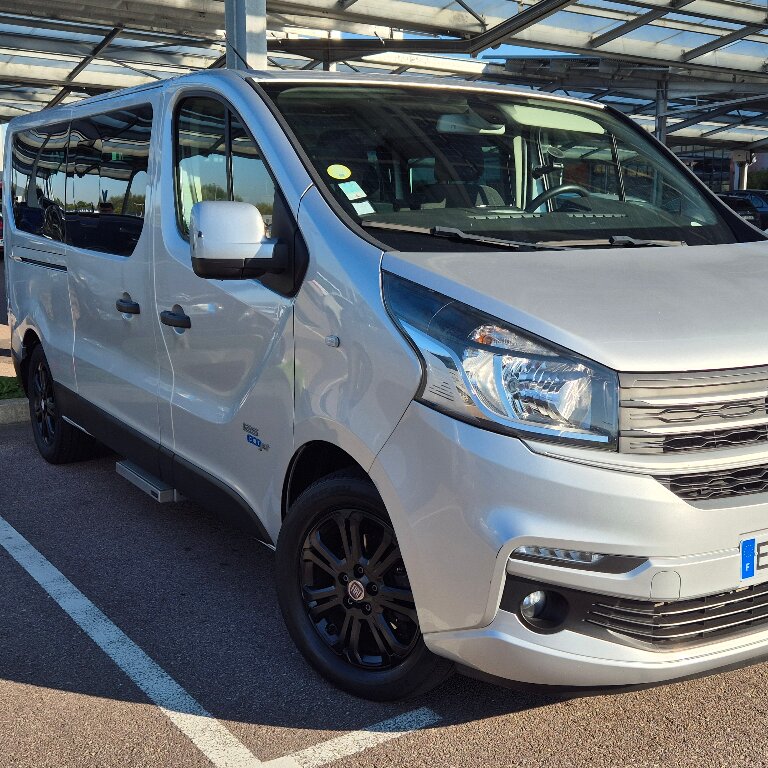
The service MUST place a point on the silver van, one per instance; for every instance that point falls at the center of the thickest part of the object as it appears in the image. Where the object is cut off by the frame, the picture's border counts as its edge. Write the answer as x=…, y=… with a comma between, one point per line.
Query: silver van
x=487, y=368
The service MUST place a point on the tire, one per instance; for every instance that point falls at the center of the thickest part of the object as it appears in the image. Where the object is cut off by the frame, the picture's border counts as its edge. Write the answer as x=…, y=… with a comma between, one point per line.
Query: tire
x=344, y=593
x=57, y=440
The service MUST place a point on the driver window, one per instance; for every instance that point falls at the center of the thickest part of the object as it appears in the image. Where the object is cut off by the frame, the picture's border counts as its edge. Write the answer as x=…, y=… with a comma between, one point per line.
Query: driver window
x=201, y=155
x=217, y=159
x=251, y=181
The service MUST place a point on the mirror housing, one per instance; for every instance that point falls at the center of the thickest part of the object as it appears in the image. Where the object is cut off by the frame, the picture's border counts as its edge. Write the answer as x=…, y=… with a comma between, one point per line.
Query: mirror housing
x=227, y=242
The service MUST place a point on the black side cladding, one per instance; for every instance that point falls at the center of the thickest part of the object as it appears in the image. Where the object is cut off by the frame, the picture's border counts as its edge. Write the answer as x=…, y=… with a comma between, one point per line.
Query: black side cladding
x=192, y=481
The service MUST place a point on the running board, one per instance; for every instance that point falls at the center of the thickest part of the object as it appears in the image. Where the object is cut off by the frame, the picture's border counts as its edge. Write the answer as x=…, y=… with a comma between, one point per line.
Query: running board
x=151, y=485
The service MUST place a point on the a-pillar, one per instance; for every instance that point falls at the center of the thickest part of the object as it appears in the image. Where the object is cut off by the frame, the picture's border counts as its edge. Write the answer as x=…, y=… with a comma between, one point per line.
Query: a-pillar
x=246, y=27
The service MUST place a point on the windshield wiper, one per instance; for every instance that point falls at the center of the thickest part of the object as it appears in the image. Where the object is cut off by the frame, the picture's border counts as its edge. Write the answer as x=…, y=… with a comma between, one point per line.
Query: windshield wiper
x=614, y=241
x=459, y=235
x=624, y=241
x=453, y=233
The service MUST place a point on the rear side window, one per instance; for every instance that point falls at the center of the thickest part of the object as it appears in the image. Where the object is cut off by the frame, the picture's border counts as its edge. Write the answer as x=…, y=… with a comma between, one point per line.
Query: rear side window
x=217, y=159
x=107, y=178
x=38, y=181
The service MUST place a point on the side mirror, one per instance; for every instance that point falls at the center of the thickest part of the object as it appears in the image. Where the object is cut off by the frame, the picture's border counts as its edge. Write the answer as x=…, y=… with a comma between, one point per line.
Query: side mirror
x=227, y=242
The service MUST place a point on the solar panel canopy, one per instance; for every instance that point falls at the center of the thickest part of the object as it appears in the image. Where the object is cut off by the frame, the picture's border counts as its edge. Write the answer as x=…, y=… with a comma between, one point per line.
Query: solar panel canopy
x=692, y=70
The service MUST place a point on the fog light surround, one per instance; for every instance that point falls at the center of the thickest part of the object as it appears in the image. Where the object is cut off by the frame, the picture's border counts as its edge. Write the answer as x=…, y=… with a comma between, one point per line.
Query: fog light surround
x=543, y=610
x=579, y=559
x=565, y=555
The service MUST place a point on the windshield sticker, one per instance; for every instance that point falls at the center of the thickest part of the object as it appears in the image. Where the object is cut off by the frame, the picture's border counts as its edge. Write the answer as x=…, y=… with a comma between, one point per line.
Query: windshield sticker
x=352, y=190
x=338, y=171
x=363, y=207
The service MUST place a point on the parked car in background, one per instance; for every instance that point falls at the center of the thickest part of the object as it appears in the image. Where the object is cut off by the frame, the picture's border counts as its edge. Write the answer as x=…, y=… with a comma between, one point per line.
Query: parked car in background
x=744, y=208
x=759, y=199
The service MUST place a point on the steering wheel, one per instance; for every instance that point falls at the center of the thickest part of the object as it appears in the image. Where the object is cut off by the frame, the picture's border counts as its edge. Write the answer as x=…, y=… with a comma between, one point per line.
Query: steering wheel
x=548, y=194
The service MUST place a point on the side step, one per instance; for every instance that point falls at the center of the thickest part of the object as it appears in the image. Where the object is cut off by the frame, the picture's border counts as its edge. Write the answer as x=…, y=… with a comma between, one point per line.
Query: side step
x=151, y=485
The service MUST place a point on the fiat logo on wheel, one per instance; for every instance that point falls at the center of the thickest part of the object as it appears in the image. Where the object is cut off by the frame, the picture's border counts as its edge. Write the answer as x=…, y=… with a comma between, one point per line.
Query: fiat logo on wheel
x=356, y=590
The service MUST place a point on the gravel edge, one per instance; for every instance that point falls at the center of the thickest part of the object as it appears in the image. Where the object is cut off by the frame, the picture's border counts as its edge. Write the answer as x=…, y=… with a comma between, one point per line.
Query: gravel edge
x=14, y=411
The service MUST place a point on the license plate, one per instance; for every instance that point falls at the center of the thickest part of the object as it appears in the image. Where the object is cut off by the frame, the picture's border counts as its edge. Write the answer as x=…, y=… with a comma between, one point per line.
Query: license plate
x=754, y=557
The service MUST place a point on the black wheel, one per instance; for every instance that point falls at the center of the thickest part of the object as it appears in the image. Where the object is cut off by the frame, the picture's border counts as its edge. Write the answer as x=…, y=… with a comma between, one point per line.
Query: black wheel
x=345, y=596
x=57, y=440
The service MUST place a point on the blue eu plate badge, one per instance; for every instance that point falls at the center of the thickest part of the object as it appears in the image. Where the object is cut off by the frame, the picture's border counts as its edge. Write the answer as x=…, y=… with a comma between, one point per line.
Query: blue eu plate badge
x=747, y=558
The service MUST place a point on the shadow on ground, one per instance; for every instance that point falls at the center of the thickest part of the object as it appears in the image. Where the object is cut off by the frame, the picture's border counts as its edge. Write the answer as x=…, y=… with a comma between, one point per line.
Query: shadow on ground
x=194, y=594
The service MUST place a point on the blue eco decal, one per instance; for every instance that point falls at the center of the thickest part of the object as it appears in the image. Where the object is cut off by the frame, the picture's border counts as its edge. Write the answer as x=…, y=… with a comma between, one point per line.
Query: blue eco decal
x=252, y=436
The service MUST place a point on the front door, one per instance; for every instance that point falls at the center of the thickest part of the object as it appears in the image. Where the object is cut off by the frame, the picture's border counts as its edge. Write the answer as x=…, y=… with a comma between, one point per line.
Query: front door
x=230, y=373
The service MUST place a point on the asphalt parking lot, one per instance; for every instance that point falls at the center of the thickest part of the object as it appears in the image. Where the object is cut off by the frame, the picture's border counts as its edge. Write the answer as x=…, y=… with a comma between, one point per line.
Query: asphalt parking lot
x=198, y=599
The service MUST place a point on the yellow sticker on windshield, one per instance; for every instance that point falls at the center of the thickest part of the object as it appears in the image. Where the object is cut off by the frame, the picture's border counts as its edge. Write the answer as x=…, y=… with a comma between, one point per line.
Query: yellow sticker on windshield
x=337, y=171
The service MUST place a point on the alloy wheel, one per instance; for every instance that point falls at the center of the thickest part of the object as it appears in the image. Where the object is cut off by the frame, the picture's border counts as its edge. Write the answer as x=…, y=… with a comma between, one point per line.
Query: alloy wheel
x=44, y=404
x=356, y=590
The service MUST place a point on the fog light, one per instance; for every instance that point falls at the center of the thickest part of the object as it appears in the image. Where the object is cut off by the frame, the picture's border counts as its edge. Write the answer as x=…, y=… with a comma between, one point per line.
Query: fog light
x=533, y=606
x=544, y=610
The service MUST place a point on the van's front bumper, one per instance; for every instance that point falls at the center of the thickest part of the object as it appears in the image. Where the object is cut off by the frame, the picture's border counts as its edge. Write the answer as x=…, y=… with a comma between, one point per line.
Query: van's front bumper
x=506, y=649
x=463, y=499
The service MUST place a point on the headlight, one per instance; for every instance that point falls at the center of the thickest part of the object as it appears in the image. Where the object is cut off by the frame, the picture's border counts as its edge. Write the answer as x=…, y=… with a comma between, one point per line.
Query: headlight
x=481, y=370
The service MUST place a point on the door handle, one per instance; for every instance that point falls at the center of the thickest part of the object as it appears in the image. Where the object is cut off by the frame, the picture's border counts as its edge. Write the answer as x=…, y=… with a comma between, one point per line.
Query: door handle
x=127, y=306
x=175, y=319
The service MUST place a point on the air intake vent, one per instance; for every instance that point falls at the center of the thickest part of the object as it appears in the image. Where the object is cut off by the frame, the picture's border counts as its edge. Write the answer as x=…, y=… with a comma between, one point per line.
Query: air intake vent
x=722, y=484
x=684, y=621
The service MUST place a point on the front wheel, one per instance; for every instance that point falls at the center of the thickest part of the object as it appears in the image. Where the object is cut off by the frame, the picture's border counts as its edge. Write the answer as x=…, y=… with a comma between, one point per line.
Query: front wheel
x=345, y=595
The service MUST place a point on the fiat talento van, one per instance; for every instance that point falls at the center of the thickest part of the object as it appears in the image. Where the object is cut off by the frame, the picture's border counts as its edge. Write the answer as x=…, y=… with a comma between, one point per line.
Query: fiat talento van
x=487, y=368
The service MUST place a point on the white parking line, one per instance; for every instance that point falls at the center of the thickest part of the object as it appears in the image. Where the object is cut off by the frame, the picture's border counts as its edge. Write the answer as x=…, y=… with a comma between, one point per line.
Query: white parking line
x=210, y=736
x=357, y=741
x=203, y=730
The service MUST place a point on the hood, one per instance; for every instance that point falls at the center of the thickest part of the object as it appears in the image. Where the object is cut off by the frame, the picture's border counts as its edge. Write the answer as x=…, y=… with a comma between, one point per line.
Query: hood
x=633, y=309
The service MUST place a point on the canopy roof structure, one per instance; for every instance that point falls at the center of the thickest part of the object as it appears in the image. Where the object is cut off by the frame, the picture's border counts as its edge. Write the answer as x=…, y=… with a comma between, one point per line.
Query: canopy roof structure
x=693, y=70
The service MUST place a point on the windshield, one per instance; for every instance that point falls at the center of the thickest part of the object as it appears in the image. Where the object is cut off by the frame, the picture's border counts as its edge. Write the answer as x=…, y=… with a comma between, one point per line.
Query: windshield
x=511, y=167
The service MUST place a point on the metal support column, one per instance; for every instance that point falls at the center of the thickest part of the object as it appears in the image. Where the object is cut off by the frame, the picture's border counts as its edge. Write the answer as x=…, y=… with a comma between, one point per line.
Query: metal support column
x=744, y=177
x=246, y=27
x=662, y=103
x=741, y=159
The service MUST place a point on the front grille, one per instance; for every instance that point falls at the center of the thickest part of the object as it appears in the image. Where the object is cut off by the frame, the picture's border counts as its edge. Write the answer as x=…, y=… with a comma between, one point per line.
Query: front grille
x=721, y=484
x=685, y=412
x=684, y=621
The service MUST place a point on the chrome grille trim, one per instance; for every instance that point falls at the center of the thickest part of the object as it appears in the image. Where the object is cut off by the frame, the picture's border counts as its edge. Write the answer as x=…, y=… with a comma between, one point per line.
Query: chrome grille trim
x=698, y=411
